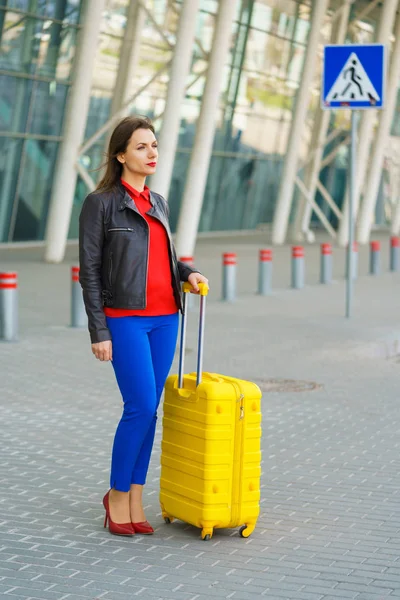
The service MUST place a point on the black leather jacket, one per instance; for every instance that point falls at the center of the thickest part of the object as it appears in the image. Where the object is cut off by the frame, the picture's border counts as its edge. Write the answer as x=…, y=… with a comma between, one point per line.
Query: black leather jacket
x=113, y=255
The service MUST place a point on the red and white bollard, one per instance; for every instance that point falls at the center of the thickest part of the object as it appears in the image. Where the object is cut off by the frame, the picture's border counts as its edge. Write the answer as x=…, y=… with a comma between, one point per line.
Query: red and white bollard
x=395, y=254
x=375, y=258
x=265, y=272
x=9, y=307
x=297, y=267
x=229, y=277
x=188, y=260
x=78, y=313
x=326, y=263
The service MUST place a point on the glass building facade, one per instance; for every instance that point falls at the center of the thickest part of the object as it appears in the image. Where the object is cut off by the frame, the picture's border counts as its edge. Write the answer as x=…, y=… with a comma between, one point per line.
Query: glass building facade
x=261, y=80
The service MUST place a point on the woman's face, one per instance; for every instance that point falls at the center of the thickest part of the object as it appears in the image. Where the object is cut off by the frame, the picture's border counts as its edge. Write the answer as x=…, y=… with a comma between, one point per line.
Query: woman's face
x=141, y=154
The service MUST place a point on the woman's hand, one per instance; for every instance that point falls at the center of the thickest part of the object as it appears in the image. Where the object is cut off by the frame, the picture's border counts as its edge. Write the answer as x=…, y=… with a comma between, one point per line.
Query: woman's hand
x=103, y=350
x=194, y=279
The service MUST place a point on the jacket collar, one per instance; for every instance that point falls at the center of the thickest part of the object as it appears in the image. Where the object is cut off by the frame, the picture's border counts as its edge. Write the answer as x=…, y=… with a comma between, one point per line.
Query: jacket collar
x=125, y=201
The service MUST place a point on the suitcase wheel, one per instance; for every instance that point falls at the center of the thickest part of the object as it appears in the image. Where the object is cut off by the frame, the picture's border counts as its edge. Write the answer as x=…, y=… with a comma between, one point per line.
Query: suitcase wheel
x=206, y=534
x=246, y=531
x=167, y=518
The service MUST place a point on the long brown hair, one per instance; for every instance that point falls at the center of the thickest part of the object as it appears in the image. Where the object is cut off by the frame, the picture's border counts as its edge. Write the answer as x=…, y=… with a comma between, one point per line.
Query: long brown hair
x=118, y=143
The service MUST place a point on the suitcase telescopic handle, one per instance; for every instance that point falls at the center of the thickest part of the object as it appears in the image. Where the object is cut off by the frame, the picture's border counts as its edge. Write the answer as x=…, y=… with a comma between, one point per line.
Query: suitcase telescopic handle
x=203, y=287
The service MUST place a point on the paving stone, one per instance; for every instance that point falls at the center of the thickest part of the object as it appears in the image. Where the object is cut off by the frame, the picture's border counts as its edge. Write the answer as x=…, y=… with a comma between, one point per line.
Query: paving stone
x=354, y=587
x=372, y=596
x=32, y=593
x=294, y=595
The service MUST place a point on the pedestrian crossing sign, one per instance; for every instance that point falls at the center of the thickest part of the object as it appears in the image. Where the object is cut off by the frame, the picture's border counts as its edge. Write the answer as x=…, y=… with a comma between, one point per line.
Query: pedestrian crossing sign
x=353, y=76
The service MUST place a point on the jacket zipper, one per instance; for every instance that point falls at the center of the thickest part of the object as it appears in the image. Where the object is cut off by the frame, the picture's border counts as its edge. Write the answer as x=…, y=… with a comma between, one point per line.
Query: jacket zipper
x=147, y=261
x=147, y=258
x=174, y=265
x=170, y=252
x=121, y=229
x=148, y=254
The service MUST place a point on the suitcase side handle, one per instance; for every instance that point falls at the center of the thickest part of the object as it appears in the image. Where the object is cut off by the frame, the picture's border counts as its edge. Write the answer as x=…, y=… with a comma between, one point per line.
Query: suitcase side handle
x=203, y=287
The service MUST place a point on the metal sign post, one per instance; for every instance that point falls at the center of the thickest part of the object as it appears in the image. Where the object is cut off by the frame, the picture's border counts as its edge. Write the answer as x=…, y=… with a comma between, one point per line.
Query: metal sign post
x=353, y=78
x=352, y=185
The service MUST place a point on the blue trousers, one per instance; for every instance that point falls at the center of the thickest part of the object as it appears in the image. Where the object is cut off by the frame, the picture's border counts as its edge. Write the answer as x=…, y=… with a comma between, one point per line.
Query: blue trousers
x=143, y=351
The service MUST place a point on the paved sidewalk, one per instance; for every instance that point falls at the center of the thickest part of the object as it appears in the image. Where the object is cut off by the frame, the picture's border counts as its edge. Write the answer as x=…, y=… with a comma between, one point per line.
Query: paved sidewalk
x=330, y=511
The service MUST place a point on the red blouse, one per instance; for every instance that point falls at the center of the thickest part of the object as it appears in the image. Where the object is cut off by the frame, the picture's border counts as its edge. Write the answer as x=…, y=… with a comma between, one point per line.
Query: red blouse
x=160, y=294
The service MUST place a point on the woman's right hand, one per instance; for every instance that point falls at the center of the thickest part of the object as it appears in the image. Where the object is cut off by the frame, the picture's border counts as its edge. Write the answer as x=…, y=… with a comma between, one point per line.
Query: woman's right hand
x=103, y=350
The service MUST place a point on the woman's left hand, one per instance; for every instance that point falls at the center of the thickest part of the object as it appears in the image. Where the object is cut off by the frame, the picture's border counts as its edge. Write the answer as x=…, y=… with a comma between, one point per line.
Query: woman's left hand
x=194, y=279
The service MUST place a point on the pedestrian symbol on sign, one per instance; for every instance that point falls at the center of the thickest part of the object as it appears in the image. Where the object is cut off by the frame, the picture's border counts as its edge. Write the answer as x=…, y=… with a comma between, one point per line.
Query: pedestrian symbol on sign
x=352, y=84
x=354, y=78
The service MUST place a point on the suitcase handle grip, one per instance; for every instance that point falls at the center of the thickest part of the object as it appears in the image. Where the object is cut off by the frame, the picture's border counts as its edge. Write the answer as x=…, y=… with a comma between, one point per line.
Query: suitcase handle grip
x=187, y=287
x=203, y=287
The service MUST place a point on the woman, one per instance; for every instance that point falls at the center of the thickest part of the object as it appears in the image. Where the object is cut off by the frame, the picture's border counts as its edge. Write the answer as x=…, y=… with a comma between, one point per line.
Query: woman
x=131, y=287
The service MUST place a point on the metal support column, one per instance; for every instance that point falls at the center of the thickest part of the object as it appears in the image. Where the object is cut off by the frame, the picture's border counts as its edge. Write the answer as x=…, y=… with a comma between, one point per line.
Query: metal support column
x=180, y=69
x=284, y=203
x=352, y=179
x=321, y=125
x=375, y=170
x=366, y=129
x=74, y=129
x=197, y=174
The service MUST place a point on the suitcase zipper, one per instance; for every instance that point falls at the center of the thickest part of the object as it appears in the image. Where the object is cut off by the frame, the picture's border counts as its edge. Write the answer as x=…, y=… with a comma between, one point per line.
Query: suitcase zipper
x=238, y=460
x=241, y=416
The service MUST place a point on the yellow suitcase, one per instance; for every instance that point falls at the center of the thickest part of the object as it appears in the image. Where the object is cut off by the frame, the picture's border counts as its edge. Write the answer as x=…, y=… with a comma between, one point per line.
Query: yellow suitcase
x=210, y=452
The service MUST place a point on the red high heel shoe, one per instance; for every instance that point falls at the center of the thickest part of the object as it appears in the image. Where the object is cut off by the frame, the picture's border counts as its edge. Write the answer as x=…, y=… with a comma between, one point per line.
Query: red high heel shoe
x=115, y=528
x=144, y=528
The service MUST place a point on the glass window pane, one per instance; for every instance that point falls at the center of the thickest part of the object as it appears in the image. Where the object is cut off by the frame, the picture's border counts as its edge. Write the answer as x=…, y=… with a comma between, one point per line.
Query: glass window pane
x=239, y=192
x=20, y=43
x=396, y=118
x=34, y=189
x=10, y=154
x=205, y=30
x=106, y=64
x=262, y=16
x=210, y=6
x=57, y=50
x=190, y=111
x=66, y=53
x=296, y=61
x=19, y=4
x=64, y=10
x=55, y=9
x=37, y=47
x=48, y=104
x=15, y=97
x=302, y=24
x=179, y=172
x=287, y=22
x=81, y=192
